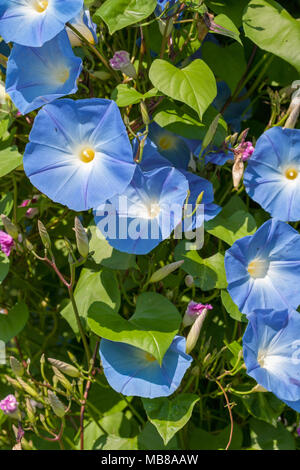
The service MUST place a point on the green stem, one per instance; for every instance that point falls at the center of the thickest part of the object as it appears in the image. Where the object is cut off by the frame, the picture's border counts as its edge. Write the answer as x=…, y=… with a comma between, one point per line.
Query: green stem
x=96, y=52
x=80, y=327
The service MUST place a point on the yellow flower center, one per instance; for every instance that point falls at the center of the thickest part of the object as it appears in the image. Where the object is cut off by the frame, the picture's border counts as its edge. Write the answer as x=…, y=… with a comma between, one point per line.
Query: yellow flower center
x=258, y=268
x=153, y=210
x=261, y=357
x=149, y=357
x=165, y=142
x=61, y=74
x=291, y=173
x=87, y=155
x=40, y=5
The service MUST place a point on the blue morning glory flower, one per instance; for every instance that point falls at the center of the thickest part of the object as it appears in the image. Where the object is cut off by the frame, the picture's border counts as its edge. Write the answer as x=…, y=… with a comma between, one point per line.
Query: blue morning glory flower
x=79, y=152
x=146, y=213
x=84, y=24
x=53, y=73
x=151, y=160
x=134, y=372
x=33, y=22
x=217, y=156
x=197, y=185
x=170, y=146
x=263, y=270
x=271, y=347
x=272, y=177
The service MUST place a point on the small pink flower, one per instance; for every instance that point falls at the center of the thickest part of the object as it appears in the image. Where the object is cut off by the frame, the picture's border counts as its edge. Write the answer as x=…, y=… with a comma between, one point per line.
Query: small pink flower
x=9, y=405
x=193, y=311
x=248, y=150
x=6, y=242
x=31, y=212
x=298, y=431
x=25, y=203
x=121, y=61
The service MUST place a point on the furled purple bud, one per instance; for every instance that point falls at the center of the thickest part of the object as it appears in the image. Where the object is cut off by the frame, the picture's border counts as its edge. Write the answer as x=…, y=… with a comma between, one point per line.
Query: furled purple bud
x=121, y=61
x=6, y=242
x=196, y=327
x=247, y=149
x=193, y=311
x=9, y=405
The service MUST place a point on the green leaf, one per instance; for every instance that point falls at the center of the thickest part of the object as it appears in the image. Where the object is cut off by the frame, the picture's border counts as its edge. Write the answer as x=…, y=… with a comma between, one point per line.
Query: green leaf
x=4, y=266
x=92, y=286
x=273, y=29
x=194, y=85
x=6, y=205
x=183, y=121
x=232, y=8
x=232, y=223
x=230, y=307
x=125, y=95
x=150, y=439
x=203, y=440
x=152, y=327
x=107, y=256
x=169, y=416
x=9, y=160
x=232, y=31
x=13, y=323
x=264, y=406
x=118, y=14
x=208, y=273
x=267, y=437
x=228, y=63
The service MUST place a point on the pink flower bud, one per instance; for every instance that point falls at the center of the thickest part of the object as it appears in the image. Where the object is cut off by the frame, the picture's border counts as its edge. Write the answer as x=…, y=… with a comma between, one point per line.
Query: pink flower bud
x=9, y=405
x=193, y=311
x=121, y=61
x=6, y=242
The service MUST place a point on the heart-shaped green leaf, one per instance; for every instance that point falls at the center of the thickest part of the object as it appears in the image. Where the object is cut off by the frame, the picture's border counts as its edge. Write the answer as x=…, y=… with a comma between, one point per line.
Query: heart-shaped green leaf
x=13, y=323
x=194, y=85
x=273, y=29
x=92, y=286
x=9, y=160
x=4, y=266
x=169, y=416
x=118, y=14
x=152, y=327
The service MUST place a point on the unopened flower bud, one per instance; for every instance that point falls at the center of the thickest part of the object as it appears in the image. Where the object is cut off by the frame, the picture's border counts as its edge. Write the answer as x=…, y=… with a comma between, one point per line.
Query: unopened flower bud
x=28, y=388
x=16, y=366
x=121, y=61
x=144, y=112
x=30, y=411
x=81, y=238
x=84, y=25
x=237, y=170
x=4, y=97
x=194, y=333
x=189, y=281
x=62, y=379
x=193, y=311
x=165, y=271
x=56, y=405
x=44, y=235
x=10, y=227
x=28, y=244
x=64, y=367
